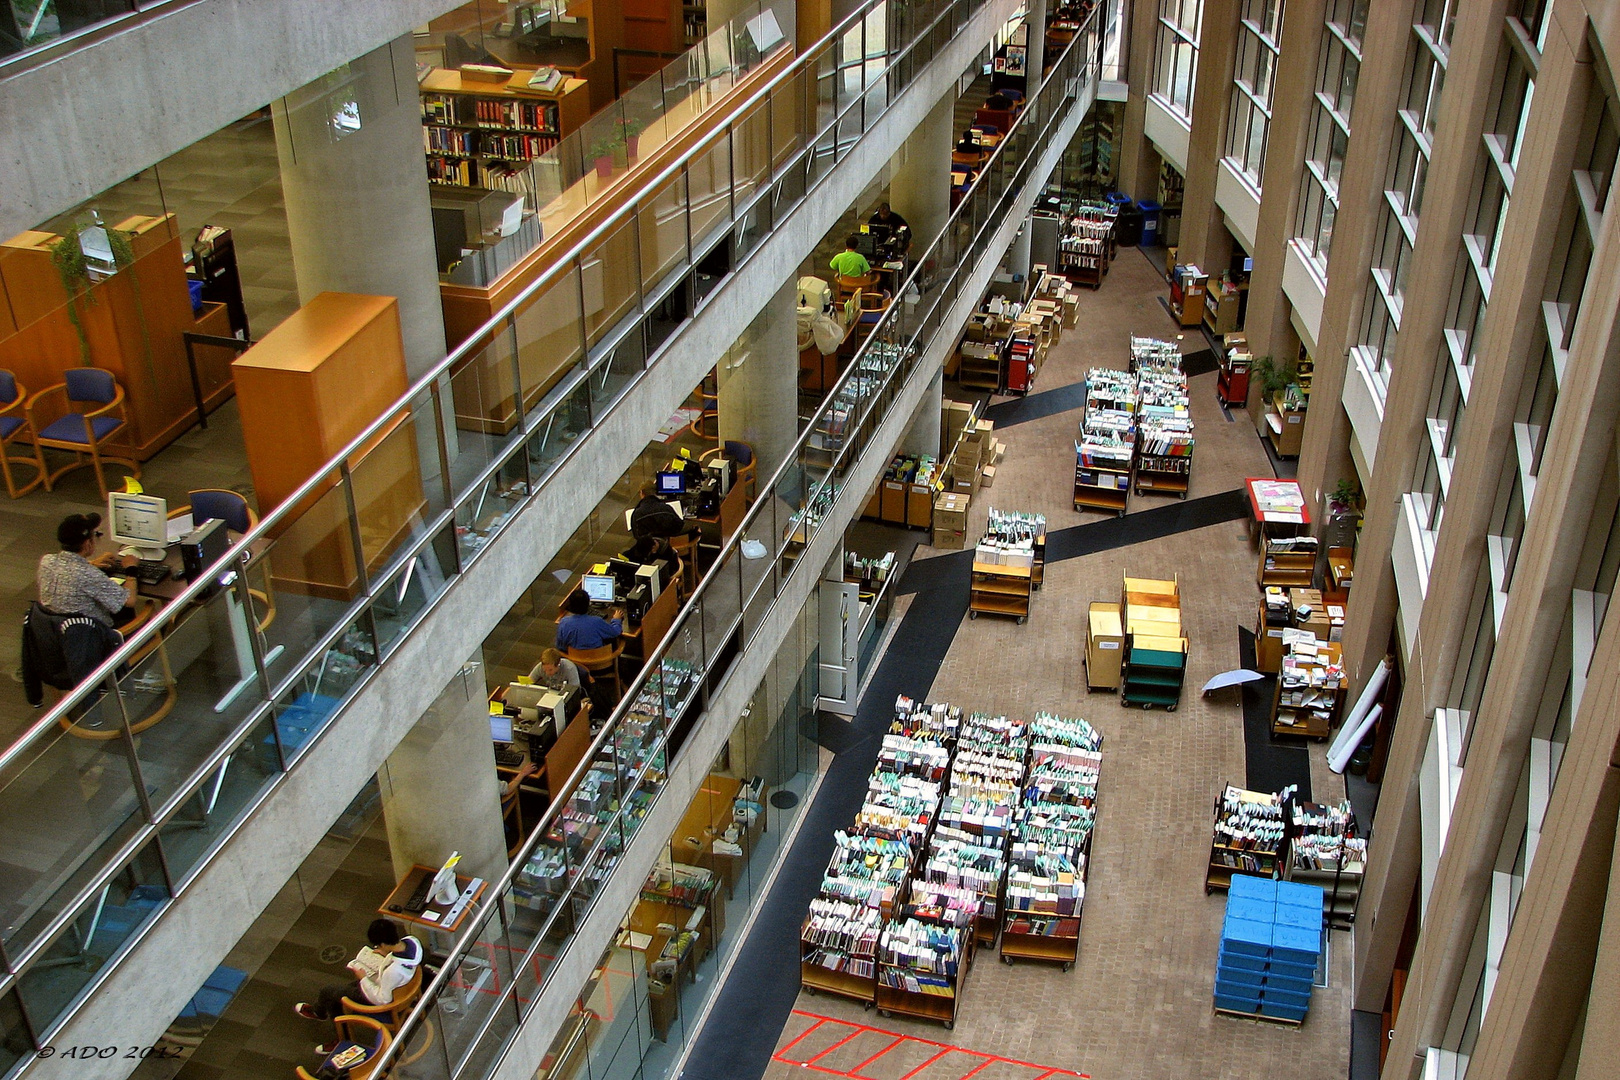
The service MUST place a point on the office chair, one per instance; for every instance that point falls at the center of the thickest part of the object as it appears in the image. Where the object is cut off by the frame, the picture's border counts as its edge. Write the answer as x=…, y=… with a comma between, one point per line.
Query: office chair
x=82, y=432
x=602, y=663
x=366, y=1032
x=394, y=1013
x=223, y=504
x=972, y=161
x=108, y=722
x=849, y=286
x=13, y=423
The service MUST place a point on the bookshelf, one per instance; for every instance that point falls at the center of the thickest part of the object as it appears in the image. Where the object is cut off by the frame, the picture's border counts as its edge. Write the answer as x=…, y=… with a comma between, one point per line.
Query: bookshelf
x=1106, y=445
x=1232, y=380
x=1324, y=850
x=1288, y=561
x=1105, y=646
x=979, y=366
x=1285, y=422
x=922, y=967
x=1155, y=651
x=1000, y=590
x=838, y=949
x=1086, y=246
x=1164, y=441
x=483, y=134
x=1249, y=836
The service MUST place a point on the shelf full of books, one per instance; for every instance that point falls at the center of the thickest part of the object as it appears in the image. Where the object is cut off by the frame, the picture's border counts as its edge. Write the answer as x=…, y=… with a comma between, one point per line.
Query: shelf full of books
x=1288, y=561
x=976, y=820
x=1086, y=246
x=1310, y=686
x=1164, y=444
x=1051, y=847
x=1106, y=446
x=1249, y=836
x=481, y=127
x=1324, y=850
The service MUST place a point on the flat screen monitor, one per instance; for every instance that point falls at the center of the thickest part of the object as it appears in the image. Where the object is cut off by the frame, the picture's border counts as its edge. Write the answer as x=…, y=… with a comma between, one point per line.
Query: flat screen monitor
x=1248, y=266
x=599, y=587
x=500, y=727
x=139, y=521
x=672, y=483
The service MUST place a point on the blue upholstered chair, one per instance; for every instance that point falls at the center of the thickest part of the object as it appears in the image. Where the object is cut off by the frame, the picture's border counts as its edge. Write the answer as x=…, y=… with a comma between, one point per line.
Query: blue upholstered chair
x=93, y=396
x=231, y=507
x=13, y=425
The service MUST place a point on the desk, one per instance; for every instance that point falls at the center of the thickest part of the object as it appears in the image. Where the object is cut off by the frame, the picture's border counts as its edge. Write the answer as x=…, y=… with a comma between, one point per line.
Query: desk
x=707, y=818
x=663, y=997
x=713, y=532
x=1278, y=503
x=641, y=638
x=402, y=892
x=560, y=758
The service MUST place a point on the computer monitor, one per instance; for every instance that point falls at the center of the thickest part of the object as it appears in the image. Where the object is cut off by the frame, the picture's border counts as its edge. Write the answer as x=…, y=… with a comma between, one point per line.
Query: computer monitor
x=624, y=572
x=500, y=727
x=140, y=522
x=599, y=587
x=1248, y=266
x=672, y=483
x=444, y=890
x=522, y=696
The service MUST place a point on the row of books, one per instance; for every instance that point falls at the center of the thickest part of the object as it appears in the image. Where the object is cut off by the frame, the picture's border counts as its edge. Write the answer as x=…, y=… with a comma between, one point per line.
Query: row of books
x=464, y=111
x=1323, y=837
x=1047, y=859
x=1155, y=354
x=1249, y=821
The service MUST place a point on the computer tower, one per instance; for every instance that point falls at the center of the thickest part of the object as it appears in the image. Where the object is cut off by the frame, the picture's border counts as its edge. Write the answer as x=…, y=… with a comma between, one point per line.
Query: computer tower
x=708, y=500
x=723, y=470
x=650, y=576
x=636, y=602
x=202, y=547
x=213, y=258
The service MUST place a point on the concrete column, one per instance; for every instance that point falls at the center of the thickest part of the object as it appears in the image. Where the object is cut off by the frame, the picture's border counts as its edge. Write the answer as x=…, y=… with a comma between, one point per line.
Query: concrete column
x=920, y=182
x=1138, y=171
x=1036, y=56
x=924, y=434
x=1204, y=239
x=759, y=382
x=355, y=183
x=439, y=789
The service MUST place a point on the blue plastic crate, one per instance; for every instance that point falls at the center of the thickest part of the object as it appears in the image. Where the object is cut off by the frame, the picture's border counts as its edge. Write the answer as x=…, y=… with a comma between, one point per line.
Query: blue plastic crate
x=1303, y=917
x=1293, y=945
x=1247, y=961
x=1251, y=909
x=1285, y=969
x=1298, y=894
x=1254, y=938
x=1281, y=1012
x=1239, y=979
x=1237, y=1004
x=1286, y=984
x=1249, y=887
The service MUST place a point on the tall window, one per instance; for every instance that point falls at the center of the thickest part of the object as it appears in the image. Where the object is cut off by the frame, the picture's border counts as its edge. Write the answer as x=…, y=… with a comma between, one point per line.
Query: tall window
x=1253, y=80
x=1338, y=68
x=1176, y=65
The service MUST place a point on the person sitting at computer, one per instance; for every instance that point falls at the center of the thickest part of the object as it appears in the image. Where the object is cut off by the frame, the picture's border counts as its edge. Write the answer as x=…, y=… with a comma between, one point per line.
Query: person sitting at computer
x=557, y=672
x=998, y=102
x=400, y=955
x=850, y=262
x=580, y=629
x=74, y=581
x=648, y=549
x=655, y=517
x=969, y=144
x=895, y=224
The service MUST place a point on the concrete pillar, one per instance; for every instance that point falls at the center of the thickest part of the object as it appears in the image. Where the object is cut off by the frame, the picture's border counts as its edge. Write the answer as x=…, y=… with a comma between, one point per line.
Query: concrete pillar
x=355, y=183
x=1036, y=56
x=1018, y=258
x=759, y=382
x=439, y=789
x=920, y=184
x=923, y=436
x=1204, y=239
x=1138, y=172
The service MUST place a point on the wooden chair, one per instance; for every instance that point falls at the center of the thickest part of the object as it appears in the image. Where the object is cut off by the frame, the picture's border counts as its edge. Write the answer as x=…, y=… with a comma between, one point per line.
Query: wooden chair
x=684, y=545
x=13, y=425
x=1000, y=119
x=846, y=287
x=747, y=465
x=368, y=1033
x=392, y=1014
x=972, y=161
x=83, y=430
x=231, y=507
x=602, y=663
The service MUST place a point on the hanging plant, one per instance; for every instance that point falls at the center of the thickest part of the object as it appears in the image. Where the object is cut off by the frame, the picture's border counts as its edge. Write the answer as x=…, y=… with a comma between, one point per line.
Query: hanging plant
x=71, y=266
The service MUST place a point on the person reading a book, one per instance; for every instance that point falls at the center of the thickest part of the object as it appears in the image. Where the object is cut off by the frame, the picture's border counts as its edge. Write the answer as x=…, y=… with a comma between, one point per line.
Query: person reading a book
x=387, y=963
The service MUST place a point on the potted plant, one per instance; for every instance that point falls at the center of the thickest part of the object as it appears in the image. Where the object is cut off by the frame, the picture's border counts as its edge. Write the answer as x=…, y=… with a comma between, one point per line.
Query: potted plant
x=67, y=254
x=602, y=154
x=632, y=130
x=1342, y=500
x=1273, y=377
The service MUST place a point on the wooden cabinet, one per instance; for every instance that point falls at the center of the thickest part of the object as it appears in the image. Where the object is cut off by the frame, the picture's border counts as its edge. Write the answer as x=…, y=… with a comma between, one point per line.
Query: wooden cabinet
x=1285, y=426
x=305, y=390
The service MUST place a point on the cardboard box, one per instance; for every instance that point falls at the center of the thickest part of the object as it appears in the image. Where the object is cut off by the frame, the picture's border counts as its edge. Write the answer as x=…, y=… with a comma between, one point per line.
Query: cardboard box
x=987, y=476
x=951, y=512
x=1318, y=623
x=950, y=539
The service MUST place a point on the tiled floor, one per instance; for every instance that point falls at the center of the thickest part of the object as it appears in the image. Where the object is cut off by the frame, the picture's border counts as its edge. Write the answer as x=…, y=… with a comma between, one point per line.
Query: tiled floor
x=1138, y=1002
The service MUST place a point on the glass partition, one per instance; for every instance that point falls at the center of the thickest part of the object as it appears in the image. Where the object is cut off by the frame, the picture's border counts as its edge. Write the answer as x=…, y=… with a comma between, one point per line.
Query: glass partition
x=158, y=753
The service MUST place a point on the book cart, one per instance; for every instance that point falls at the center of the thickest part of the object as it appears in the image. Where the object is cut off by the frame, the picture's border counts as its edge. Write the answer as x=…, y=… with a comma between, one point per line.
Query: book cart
x=1164, y=442
x=1324, y=850
x=1008, y=564
x=1085, y=249
x=1310, y=686
x=1249, y=836
x=1105, y=646
x=1155, y=662
x=968, y=848
x=1046, y=875
x=1106, y=445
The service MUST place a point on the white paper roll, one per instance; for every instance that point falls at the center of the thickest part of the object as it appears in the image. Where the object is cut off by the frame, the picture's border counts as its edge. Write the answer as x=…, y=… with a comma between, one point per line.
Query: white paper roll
x=1337, y=760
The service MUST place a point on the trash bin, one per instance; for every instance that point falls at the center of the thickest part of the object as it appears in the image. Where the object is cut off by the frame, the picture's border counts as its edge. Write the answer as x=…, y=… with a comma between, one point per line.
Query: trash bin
x=1128, y=225
x=1150, y=222
x=1117, y=198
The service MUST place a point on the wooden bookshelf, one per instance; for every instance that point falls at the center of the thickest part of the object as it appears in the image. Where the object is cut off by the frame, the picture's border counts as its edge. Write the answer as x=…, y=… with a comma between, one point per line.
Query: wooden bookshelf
x=817, y=979
x=979, y=367
x=1285, y=426
x=1030, y=935
x=1167, y=473
x=1000, y=590
x=895, y=1000
x=1105, y=647
x=1225, y=860
x=1307, y=711
x=482, y=134
x=1281, y=566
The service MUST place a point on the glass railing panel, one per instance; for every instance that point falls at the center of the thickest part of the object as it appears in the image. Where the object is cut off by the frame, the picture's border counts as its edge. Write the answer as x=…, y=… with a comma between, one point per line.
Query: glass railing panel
x=616, y=369
x=476, y=994
x=612, y=285
x=565, y=418
x=191, y=689
x=661, y=232
x=422, y=576
x=394, y=496
x=208, y=813
x=485, y=407
x=309, y=701
x=709, y=189
x=550, y=335
x=306, y=577
x=67, y=806
x=106, y=919
x=32, y=26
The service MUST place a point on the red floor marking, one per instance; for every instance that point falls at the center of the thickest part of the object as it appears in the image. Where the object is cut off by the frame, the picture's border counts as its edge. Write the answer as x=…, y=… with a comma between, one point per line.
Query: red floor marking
x=1044, y=1072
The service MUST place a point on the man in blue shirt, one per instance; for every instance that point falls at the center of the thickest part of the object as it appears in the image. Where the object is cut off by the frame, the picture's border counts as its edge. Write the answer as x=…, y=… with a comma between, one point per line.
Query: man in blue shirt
x=579, y=629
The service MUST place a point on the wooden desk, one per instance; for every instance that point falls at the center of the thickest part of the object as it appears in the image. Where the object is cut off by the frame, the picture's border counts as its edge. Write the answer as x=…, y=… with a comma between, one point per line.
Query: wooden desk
x=707, y=817
x=170, y=588
x=640, y=639
x=402, y=892
x=663, y=1000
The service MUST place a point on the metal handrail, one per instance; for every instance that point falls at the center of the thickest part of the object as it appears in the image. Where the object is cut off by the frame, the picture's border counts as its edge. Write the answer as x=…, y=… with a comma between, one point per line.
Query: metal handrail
x=495, y=894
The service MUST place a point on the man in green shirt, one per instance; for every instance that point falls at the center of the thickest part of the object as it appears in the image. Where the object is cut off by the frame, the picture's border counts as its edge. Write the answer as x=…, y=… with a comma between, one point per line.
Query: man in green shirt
x=849, y=262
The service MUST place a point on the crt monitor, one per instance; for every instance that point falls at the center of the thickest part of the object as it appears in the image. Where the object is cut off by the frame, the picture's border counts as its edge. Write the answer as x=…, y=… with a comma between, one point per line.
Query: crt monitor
x=672, y=483
x=444, y=888
x=599, y=587
x=140, y=522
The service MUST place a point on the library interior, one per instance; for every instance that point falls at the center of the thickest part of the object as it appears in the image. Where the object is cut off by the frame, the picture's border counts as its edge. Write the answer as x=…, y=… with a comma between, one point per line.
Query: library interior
x=613, y=539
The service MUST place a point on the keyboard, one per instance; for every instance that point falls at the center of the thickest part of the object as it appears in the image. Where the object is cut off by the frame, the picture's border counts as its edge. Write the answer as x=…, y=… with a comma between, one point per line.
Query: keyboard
x=151, y=573
x=508, y=759
x=417, y=902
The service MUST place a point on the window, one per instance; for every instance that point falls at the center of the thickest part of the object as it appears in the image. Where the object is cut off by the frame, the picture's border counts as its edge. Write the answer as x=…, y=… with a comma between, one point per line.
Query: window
x=1338, y=71
x=1176, y=64
x=1253, y=79
x=1474, y=656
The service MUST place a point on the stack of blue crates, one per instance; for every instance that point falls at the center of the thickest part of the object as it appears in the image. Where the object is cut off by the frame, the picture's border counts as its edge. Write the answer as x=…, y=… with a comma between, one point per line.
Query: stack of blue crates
x=1270, y=944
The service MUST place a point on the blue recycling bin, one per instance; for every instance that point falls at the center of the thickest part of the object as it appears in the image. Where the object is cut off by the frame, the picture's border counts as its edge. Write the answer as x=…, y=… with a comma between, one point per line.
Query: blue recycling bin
x=1150, y=222
x=1117, y=198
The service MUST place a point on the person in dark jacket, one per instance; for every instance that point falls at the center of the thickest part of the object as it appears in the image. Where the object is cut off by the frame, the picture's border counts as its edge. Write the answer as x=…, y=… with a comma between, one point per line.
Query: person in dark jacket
x=61, y=650
x=655, y=517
